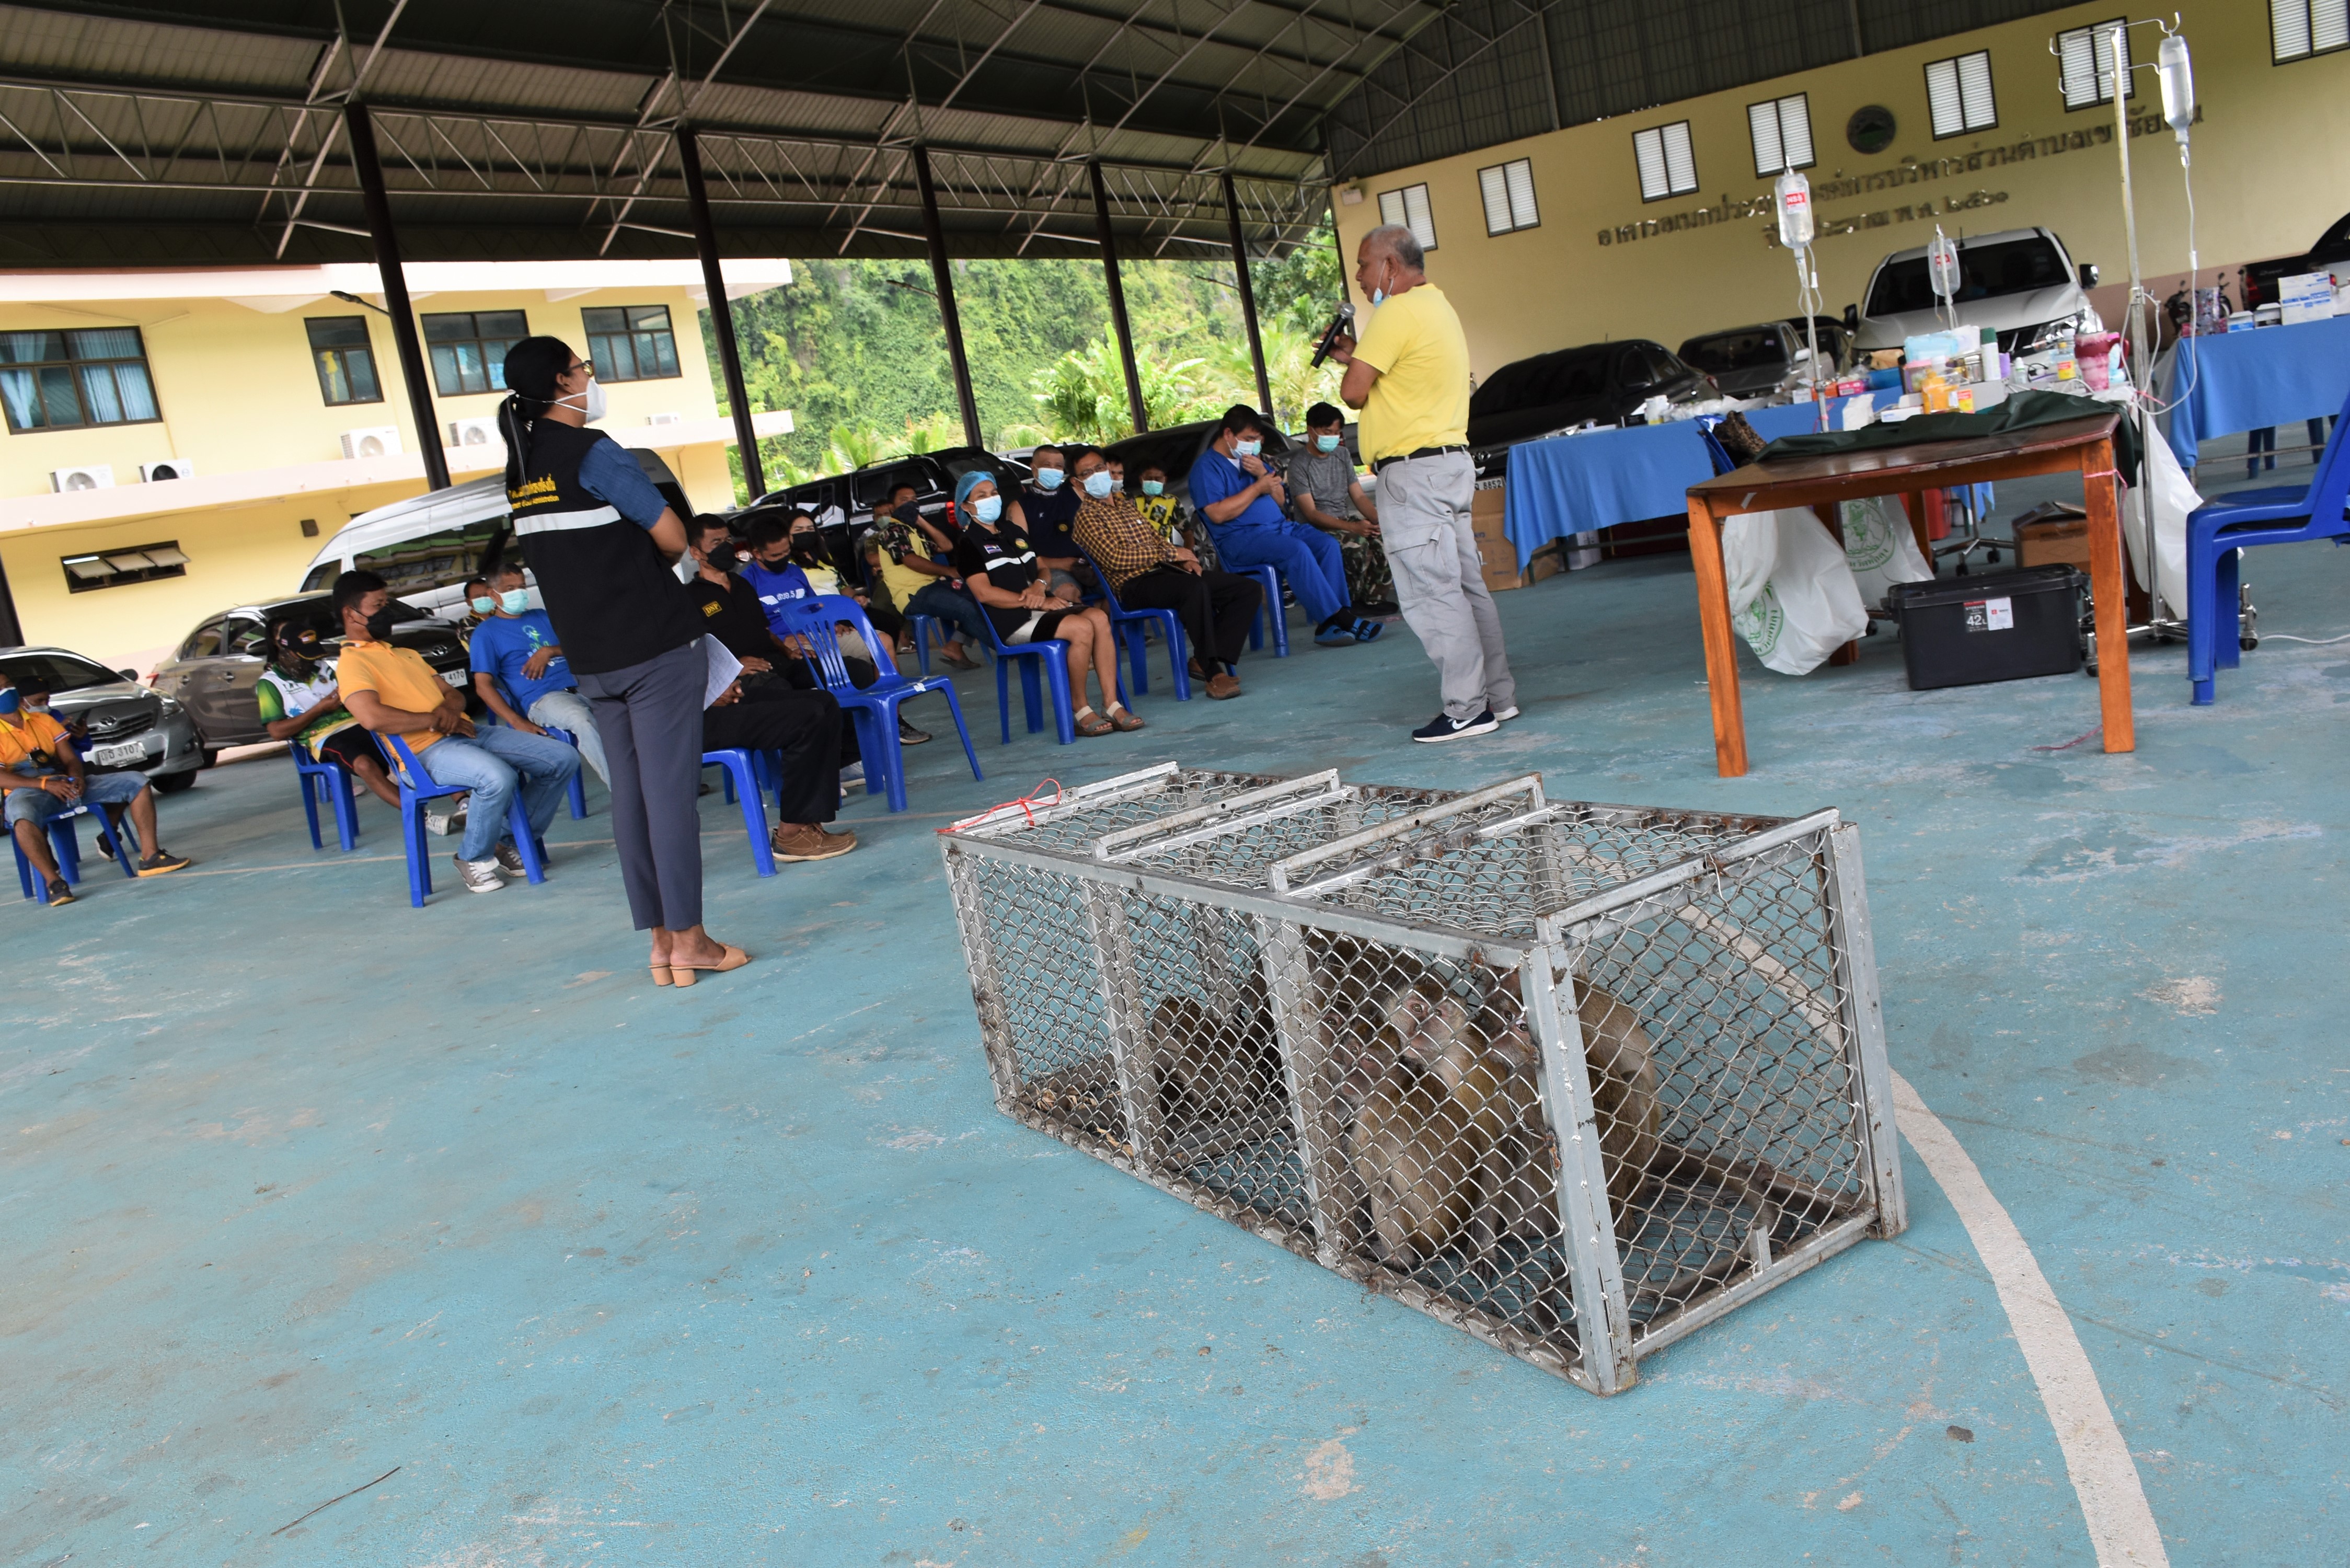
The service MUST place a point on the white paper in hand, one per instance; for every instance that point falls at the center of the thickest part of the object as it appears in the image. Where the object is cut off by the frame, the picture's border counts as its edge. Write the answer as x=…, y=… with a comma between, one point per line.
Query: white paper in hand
x=724, y=668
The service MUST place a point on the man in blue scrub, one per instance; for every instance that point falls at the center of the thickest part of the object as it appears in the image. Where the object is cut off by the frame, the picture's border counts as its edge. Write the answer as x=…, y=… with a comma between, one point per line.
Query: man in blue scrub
x=1242, y=498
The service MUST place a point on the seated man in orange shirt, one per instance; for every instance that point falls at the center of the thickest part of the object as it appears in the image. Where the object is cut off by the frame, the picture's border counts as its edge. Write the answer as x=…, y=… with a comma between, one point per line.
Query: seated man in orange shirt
x=392, y=691
x=41, y=774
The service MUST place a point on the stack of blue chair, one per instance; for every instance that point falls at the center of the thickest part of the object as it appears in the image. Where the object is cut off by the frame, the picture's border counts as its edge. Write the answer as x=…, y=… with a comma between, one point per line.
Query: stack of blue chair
x=2219, y=530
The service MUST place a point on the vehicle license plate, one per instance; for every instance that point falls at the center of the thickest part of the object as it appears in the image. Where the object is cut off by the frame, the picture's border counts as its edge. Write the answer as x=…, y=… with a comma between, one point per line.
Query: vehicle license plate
x=454, y=677
x=123, y=751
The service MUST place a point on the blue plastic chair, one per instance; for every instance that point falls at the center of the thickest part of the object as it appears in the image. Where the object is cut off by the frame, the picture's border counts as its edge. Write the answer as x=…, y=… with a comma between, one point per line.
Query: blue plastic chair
x=926, y=627
x=416, y=787
x=1131, y=624
x=1053, y=658
x=578, y=790
x=743, y=782
x=319, y=777
x=1275, y=614
x=2218, y=531
x=874, y=709
x=65, y=842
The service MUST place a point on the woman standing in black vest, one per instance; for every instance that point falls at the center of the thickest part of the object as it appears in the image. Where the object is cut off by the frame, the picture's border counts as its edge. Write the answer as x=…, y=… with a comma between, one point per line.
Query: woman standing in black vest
x=602, y=543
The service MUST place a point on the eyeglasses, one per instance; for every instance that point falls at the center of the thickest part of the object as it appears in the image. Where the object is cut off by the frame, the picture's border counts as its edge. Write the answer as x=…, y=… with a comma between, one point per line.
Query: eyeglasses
x=587, y=365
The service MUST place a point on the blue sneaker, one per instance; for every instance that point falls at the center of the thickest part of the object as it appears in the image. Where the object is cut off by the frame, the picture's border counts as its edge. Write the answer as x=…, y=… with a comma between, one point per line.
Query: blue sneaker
x=1441, y=728
x=1368, y=630
x=1336, y=637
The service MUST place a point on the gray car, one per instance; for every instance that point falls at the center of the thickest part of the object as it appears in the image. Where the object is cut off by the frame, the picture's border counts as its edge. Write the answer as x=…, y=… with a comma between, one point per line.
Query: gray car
x=121, y=726
x=1749, y=361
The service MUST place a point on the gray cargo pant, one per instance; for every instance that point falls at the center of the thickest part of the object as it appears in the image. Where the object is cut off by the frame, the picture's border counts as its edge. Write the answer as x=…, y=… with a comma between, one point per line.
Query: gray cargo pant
x=1440, y=583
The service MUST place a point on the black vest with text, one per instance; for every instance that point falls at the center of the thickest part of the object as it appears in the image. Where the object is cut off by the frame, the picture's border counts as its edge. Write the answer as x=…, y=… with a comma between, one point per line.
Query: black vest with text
x=613, y=599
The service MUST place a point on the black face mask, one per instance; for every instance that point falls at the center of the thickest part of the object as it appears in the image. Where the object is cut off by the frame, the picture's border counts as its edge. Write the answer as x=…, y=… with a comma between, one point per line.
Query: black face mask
x=804, y=547
x=379, y=625
x=723, y=557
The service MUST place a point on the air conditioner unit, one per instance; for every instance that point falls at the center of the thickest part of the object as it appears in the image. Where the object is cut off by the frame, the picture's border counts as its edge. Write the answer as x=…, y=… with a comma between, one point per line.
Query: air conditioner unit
x=94, y=476
x=475, y=432
x=169, y=468
x=375, y=441
x=664, y=419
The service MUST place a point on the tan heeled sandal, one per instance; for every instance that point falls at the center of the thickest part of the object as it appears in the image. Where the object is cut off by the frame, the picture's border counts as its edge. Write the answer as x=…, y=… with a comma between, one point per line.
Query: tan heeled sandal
x=732, y=958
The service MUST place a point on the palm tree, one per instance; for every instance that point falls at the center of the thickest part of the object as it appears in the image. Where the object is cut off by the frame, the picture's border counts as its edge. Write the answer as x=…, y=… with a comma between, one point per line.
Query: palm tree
x=1296, y=383
x=1081, y=395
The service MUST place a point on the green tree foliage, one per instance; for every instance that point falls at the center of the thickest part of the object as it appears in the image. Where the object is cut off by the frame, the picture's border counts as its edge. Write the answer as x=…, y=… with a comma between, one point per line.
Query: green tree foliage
x=855, y=349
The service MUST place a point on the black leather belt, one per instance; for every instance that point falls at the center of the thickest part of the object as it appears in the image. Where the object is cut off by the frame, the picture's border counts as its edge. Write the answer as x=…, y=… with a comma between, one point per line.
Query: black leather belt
x=1380, y=466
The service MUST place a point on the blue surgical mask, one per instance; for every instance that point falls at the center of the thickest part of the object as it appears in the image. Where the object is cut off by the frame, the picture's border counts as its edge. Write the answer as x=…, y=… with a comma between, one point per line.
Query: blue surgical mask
x=1048, y=479
x=1247, y=448
x=10, y=699
x=1154, y=487
x=1378, y=298
x=1325, y=444
x=514, y=601
x=484, y=605
x=987, y=508
x=1099, y=484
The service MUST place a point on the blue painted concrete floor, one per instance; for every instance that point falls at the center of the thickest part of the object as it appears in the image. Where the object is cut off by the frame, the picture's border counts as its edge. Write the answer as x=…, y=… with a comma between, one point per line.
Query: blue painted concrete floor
x=301, y=1186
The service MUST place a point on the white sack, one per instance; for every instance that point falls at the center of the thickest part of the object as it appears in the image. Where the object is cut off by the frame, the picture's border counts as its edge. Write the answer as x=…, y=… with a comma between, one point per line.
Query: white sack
x=1791, y=594
x=1880, y=546
x=2173, y=496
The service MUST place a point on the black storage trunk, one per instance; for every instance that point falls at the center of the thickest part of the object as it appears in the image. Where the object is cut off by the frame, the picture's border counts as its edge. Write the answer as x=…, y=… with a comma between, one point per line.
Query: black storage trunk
x=2000, y=626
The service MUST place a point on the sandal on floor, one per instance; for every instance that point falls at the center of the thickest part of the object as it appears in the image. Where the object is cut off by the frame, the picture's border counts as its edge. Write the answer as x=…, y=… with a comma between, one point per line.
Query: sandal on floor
x=1123, y=719
x=1090, y=725
x=660, y=974
x=732, y=958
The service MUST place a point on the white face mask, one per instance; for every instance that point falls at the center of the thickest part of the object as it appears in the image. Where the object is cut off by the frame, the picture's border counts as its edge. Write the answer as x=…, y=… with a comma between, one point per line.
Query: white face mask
x=1098, y=484
x=591, y=403
x=1247, y=448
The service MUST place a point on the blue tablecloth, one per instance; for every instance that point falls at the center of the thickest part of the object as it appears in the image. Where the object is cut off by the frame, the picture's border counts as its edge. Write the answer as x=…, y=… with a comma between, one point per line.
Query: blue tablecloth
x=1580, y=484
x=2251, y=380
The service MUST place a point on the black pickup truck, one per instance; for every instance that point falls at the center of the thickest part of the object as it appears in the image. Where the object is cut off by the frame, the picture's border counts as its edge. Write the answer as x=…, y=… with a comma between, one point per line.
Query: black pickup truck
x=2330, y=253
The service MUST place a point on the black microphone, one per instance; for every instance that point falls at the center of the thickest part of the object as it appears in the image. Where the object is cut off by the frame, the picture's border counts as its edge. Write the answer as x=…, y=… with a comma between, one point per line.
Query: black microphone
x=1330, y=335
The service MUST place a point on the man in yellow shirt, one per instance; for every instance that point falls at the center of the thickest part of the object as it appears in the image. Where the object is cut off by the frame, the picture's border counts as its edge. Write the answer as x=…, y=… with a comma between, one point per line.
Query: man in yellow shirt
x=392, y=691
x=42, y=775
x=1409, y=377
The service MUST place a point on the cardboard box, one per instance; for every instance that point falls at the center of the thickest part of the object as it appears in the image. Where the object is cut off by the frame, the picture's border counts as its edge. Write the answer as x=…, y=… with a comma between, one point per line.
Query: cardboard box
x=2307, y=297
x=1499, y=556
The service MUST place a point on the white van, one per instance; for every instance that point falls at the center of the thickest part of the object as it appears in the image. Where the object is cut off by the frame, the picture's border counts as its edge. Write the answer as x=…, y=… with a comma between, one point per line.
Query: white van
x=426, y=546
x=2021, y=283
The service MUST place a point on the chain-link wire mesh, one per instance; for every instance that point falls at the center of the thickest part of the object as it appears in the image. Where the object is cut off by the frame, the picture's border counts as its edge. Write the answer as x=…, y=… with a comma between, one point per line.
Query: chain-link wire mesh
x=1573, y=1077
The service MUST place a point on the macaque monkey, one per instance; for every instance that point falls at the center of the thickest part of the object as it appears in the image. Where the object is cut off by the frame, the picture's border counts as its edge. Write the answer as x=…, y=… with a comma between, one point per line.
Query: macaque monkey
x=1216, y=1074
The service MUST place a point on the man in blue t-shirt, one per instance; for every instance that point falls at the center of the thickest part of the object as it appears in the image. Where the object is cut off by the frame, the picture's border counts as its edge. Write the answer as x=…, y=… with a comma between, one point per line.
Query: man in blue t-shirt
x=1241, y=498
x=519, y=669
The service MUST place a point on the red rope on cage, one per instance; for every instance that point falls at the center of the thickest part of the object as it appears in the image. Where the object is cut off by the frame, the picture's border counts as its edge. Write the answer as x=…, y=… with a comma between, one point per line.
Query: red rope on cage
x=1023, y=803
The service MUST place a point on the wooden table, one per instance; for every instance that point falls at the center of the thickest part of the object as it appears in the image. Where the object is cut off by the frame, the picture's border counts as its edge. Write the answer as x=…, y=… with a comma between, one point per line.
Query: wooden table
x=2085, y=445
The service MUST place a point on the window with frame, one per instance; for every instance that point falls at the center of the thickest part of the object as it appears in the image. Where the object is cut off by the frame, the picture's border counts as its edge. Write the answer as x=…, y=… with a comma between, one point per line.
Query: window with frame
x=2301, y=28
x=1782, y=130
x=1667, y=164
x=469, y=350
x=2085, y=57
x=1408, y=208
x=1509, y=193
x=344, y=357
x=631, y=343
x=1958, y=97
x=113, y=568
x=76, y=379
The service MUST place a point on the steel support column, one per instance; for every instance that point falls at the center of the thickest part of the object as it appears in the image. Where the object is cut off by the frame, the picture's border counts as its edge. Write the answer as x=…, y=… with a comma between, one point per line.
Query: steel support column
x=942, y=282
x=1248, y=297
x=364, y=163
x=1117, y=301
x=721, y=314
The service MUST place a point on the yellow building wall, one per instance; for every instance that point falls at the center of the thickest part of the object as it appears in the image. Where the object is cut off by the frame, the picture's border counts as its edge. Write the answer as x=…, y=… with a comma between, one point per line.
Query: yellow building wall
x=2267, y=161
x=238, y=393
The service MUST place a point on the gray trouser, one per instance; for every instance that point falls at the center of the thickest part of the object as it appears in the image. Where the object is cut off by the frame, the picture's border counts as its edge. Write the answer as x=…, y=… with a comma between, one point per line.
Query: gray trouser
x=650, y=716
x=1440, y=583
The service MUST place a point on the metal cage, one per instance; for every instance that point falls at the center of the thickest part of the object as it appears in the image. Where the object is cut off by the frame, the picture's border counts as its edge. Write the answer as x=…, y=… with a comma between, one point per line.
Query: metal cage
x=1576, y=1078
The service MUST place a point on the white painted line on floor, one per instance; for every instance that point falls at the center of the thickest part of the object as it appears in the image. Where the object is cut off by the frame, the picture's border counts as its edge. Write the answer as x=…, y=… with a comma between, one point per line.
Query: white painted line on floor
x=2105, y=1478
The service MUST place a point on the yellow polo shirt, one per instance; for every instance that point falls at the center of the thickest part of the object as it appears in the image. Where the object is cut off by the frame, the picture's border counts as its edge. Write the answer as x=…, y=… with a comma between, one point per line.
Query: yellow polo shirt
x=1421, y=397
x=398, y=677
x=29, y=738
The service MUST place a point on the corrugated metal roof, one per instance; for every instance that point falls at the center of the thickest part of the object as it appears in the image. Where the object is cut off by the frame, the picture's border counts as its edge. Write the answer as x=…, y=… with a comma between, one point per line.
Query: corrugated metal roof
x=1495, y=70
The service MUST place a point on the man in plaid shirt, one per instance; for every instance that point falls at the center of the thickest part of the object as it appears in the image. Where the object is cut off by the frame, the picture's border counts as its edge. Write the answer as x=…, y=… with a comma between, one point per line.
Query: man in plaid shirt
x=1146, y=572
